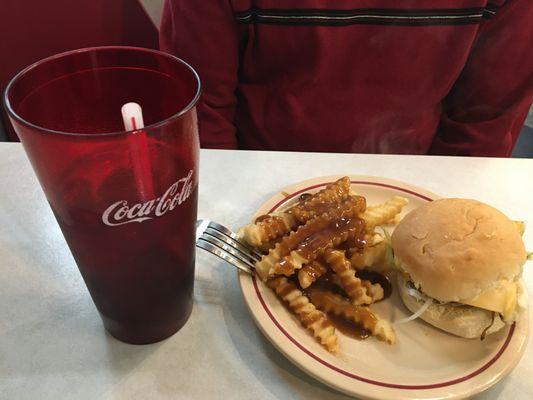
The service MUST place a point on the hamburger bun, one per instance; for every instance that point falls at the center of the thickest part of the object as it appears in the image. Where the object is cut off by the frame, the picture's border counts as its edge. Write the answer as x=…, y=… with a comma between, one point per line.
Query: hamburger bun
x=455, y=249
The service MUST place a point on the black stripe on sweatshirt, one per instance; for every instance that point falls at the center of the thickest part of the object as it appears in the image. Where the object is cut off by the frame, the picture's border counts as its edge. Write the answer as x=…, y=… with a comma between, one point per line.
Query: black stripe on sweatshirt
x=369, y=16
x=490, y=10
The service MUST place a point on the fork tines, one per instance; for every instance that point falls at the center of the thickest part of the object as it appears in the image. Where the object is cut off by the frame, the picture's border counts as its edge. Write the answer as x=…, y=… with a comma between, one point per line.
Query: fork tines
x=225, y=244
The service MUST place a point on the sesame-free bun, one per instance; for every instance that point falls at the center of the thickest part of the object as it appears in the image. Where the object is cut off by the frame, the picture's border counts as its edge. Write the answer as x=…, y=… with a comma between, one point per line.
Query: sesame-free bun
x=460, y=320
x=454, y=249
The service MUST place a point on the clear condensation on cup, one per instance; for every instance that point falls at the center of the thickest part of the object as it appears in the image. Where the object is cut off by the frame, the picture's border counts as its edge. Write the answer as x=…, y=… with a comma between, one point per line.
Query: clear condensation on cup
x=126, y=202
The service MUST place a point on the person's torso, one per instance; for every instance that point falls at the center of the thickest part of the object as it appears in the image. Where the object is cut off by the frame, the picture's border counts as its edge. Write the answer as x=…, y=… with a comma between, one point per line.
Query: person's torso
x=350, y=76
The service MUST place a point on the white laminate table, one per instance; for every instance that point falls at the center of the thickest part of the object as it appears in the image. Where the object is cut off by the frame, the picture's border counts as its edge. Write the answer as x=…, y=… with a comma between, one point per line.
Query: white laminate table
x=53, y=345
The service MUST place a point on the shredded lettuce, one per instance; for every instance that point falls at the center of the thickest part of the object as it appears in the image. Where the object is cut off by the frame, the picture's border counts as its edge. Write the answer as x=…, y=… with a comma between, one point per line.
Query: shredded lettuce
x=389, y=252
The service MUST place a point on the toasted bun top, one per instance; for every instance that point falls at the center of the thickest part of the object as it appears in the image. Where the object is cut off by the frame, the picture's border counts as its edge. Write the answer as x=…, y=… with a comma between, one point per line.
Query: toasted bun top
x=453, y=249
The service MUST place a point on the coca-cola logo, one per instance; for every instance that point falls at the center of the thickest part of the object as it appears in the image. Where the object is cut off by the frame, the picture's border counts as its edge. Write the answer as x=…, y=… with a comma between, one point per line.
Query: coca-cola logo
x=121, y=212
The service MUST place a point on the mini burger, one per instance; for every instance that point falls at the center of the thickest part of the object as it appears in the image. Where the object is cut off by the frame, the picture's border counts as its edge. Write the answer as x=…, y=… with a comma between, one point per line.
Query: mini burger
x=460, y=266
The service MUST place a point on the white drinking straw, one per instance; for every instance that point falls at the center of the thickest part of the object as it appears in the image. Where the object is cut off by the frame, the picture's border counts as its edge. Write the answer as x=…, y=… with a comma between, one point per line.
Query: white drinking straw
x=132, y=116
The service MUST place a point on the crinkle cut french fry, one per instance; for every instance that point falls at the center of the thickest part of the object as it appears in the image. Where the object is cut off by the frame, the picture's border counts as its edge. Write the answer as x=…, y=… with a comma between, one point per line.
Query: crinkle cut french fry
x=334, y=193
x=264, y=248
x=268, y=229
x=334, y=304
x=369, y=256
x=352, y=285
x=310, y=273
x=276, y=225
x=384, y=213
x=287, y=256
x=314, y=320
x=373, y=290
x=266, y=267
x=295, y=260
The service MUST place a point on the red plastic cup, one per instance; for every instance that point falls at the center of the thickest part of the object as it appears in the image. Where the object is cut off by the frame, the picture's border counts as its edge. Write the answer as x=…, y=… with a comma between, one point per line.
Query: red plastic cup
x=125, y=201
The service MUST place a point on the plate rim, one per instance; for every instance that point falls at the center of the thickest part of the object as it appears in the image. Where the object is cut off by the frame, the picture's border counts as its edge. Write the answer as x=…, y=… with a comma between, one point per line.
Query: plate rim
x=521, y=335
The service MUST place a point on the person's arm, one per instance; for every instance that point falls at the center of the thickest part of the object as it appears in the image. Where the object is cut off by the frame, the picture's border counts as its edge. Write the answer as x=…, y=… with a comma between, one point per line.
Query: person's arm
x=483, y=113
x=203, y=33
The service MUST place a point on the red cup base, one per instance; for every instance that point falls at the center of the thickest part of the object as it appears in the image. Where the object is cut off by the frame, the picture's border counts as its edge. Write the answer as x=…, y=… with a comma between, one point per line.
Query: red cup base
x=144, y=334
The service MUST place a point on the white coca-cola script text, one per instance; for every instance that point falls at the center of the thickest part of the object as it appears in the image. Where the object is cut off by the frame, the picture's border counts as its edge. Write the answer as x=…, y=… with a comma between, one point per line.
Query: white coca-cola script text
x=121, y=212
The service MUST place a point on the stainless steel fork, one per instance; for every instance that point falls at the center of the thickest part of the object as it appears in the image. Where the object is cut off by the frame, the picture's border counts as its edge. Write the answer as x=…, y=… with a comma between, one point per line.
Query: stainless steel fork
x=223, y=243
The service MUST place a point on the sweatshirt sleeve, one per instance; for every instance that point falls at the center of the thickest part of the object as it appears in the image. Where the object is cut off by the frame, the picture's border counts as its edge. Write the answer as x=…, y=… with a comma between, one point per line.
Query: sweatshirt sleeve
x=203, y=33
x=485, y=109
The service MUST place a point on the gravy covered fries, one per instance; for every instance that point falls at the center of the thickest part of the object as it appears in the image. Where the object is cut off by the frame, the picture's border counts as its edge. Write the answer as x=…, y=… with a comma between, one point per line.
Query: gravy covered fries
x=314, y=320
x=315, y=256
x=267, y=228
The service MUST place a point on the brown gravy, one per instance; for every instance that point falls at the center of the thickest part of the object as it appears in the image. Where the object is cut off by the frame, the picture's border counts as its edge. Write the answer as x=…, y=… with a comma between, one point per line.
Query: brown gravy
x=317, y=241
x=342, y=314
x=326, y=284
x=304, y=196
x=349, y=328
x=315, y=270
x=307, y=206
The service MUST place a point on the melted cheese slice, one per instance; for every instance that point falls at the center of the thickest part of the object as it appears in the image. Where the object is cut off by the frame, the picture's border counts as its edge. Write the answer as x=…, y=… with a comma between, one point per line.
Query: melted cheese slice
x=501, y=299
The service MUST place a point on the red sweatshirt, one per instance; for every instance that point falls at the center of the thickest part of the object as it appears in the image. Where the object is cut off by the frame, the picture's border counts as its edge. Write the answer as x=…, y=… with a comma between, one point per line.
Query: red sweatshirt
x=412, y=76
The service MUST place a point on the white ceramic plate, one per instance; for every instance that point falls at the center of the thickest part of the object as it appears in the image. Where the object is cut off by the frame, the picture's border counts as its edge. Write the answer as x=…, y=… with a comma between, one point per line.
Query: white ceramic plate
x=425, y=363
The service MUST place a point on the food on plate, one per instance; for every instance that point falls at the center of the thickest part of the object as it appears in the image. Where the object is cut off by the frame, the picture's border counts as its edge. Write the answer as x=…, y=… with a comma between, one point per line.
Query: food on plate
x=461, y=264
x=310, y=273
x=352, y=285
x=373, y=255
x=335, y=304
x=270, y=227
x=310, y=206
x=315, y=252
x=334, y=226
x=314, y=320
x=384, y=213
